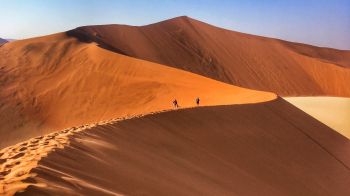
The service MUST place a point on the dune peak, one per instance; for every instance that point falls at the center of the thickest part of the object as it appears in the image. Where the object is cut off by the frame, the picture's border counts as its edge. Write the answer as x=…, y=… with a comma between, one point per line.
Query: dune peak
x=287, y=68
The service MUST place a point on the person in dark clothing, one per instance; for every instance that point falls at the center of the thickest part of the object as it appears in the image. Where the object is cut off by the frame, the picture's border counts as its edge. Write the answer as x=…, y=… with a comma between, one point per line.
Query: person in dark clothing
x=175, y=103
x=197, y=101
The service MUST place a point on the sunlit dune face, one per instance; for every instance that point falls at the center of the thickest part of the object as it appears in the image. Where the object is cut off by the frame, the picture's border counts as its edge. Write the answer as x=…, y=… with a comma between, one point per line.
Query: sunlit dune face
x=118, y=109
x=219, y=150
x=55, y=82
x=286, y=68
x=332, y=111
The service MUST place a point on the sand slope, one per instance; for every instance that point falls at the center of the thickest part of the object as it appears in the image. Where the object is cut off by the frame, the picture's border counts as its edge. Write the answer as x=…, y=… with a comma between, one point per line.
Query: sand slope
x=241, y=59
x=332, y=111
x=255, y=149
x=54, y=82
x=90, y=75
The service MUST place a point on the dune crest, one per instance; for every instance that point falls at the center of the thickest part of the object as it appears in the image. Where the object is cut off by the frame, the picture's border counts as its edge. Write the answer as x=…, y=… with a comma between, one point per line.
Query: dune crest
x=54, y=82
x=286, y=68
x=17, y=161
x=269, y=148
x=109, y=90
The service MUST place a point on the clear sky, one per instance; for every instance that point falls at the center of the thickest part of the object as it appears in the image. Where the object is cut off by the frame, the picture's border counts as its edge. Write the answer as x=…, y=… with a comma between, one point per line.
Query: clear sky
x=317, y=22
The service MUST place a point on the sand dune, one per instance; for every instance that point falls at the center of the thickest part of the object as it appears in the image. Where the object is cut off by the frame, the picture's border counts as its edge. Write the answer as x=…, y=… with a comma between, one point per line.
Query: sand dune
x=2, y=41
x=17, y=161
x=254, y=149
x=93, y=80
x=332, y=111
x=245, y=60
x=54, y=82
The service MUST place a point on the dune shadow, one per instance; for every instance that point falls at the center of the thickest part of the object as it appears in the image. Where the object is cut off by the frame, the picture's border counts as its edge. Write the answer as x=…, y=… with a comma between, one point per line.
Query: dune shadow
x=87, y=37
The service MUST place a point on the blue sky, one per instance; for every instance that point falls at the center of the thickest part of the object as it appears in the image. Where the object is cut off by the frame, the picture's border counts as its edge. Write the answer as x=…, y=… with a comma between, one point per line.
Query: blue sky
x=317, y=22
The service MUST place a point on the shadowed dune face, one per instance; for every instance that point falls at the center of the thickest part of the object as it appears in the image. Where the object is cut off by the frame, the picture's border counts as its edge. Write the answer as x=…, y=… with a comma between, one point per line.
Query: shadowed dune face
x=241, y=59
x=2, y=41
x=329, y=55
x=55, y=82
x=268, y=148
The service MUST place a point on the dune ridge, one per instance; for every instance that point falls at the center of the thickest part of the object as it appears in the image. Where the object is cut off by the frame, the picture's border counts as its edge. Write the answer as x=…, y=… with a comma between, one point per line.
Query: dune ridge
x=103, y=81
x=54, y=82
x=286, y=68
x=17, y=161
x=269, y=148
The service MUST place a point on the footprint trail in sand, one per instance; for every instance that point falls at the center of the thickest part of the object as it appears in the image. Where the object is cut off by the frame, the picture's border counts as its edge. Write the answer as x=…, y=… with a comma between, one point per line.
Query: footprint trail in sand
x=17, y=161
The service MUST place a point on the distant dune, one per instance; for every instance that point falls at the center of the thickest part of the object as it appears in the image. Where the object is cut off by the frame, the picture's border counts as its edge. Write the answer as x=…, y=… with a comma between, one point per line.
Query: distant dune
x=55, y=82
x=10, y=40
x=255, y=62
x=332, y=111
x=2, y=41
x=267, y=148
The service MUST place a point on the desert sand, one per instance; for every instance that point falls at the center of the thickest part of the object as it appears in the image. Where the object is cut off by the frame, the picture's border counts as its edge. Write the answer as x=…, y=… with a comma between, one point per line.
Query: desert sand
x=55, y=82
x=286, y=68
x=267, y=148
x=89, y=111
x=332, y=111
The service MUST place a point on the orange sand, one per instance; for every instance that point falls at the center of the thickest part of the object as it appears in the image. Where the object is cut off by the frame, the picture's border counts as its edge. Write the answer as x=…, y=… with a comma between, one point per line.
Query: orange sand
x=286, y=68
x=54, y=82
x=85, y=77
x=269, y=148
